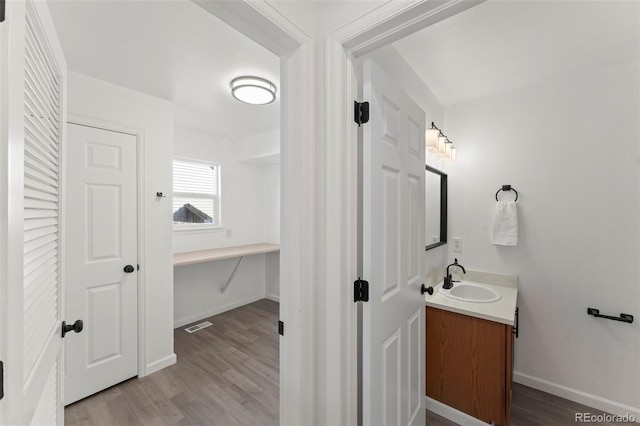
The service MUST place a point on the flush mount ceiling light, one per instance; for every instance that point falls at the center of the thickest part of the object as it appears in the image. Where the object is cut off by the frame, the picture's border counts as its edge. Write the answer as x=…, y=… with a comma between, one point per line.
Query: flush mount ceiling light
x=253, y=90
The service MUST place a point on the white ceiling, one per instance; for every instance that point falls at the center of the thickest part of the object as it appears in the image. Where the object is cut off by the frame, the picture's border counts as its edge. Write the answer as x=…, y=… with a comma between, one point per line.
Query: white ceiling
x=318, y=17
x=177, y=51
x=173, y=50
x=504, y=45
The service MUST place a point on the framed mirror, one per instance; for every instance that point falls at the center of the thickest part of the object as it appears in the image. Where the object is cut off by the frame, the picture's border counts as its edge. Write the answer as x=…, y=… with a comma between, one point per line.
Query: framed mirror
x=435, y=207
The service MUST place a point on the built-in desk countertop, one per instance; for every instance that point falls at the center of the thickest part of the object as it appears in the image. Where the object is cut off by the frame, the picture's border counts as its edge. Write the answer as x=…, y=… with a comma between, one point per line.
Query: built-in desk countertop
x=202, y=256
x=212, y=255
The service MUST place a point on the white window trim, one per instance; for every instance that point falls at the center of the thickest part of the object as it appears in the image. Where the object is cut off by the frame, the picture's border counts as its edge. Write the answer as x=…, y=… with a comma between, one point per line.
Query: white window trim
x=200, y=227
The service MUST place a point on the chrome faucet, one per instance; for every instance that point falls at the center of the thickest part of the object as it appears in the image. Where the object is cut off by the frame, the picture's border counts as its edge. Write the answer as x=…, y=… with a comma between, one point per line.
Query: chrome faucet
x=448, y=281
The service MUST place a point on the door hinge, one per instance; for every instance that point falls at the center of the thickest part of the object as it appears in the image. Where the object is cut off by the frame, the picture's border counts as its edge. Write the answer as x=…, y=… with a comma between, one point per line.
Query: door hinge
x=360, y=290
x=360, y=112
x=1, y=379
x=281, y=328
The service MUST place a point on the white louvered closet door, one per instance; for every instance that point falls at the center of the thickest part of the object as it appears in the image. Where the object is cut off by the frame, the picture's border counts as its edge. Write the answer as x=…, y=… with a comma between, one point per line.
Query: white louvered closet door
x=33, y=340
x=42, y=295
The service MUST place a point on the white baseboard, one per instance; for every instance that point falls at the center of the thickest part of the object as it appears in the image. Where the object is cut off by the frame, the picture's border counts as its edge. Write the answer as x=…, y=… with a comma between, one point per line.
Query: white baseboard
x=575, y=395
x=215, y=311
x=273, y=297
x=452, y=414
x=161, y=363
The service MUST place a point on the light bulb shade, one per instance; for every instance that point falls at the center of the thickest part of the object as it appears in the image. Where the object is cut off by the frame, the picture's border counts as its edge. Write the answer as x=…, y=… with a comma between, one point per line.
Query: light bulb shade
x=452, y=155
x=432, y=139
x=447, y=150
x=253, y=90
x=442, y=142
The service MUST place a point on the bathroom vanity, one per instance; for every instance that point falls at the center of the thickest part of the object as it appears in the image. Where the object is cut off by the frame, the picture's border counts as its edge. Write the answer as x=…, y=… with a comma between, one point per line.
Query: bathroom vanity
x=469, y=354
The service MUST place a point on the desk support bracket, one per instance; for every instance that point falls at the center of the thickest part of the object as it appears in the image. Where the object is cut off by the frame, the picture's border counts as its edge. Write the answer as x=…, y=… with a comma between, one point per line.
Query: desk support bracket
x=224, y=287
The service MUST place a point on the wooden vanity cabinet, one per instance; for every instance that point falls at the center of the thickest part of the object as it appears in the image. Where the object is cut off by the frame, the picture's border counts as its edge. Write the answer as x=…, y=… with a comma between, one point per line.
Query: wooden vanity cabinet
x=469, y=364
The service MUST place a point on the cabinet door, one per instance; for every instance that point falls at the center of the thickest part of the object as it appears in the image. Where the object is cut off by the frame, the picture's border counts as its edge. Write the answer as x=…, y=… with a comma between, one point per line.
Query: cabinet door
x=509, y=371
x=466, y=364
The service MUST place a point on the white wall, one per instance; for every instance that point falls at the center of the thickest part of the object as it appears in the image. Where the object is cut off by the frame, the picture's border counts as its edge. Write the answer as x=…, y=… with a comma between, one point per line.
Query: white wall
x=197, y=287
x=401, y=72
x=242, y=194
x=123, y=107
x=250, y=202
x=271, y=203
x=570, y=148
x=272, y=276
x=260, y=149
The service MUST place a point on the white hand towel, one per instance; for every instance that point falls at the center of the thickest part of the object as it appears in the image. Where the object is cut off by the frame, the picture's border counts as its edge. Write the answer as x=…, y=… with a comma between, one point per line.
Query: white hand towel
x=505, y=224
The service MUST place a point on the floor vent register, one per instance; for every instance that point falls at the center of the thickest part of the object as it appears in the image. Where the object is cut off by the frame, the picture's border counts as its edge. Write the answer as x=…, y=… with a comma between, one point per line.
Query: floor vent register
x=194, y=328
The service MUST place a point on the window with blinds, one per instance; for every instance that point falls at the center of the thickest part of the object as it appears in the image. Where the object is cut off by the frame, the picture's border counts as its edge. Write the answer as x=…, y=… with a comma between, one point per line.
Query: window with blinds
x=196, y=194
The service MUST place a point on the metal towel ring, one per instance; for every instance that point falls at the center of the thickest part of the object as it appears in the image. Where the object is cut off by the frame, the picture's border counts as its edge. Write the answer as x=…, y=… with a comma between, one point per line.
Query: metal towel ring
x=507, y=188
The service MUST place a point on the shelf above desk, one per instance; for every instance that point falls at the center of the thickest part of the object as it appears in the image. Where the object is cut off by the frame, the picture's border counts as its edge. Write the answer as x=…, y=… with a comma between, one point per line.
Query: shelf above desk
x=203, y=256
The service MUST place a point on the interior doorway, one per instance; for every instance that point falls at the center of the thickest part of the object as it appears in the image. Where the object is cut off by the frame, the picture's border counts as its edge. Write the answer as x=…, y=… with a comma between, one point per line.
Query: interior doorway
x=238, y=143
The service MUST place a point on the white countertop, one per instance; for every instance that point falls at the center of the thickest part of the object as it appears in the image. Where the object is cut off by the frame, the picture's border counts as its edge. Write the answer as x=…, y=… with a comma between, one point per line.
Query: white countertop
x=201, y=256
x=502, y=311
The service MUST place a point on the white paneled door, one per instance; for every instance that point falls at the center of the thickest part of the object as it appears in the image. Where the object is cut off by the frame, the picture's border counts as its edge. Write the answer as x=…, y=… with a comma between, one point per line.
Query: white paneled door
x=101, y=255
x=393, y=254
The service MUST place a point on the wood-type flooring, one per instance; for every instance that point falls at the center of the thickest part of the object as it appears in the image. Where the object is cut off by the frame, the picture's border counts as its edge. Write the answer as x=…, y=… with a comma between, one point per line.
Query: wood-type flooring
x=228, y=374
x=531, y=407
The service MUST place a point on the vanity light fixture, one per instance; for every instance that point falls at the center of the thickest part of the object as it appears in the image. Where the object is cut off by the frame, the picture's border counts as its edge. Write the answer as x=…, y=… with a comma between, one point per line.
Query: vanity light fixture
x=447, y=148
x=450, y=154
x=439, y=145
x=253, y=90
x=442, y=142
x=431, y=138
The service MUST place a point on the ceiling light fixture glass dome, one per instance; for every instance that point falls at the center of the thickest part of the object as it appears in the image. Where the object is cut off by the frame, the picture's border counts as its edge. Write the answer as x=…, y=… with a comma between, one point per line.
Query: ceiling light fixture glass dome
x=253, y=90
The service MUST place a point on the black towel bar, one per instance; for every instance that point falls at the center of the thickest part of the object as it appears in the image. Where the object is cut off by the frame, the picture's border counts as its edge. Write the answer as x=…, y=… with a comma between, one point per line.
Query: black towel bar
x=507, y=188
x=622, y=318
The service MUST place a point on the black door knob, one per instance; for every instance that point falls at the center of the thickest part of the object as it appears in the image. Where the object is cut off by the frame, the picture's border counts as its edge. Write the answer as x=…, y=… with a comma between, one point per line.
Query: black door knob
x=424, y=289
x=76, y=326
x=129, y=269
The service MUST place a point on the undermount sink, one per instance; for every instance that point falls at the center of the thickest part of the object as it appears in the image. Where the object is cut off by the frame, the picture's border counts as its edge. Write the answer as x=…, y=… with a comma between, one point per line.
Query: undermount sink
x=471, y=292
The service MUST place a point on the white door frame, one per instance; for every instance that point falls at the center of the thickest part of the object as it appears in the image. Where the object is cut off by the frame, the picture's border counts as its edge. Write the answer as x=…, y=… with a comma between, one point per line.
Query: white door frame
x=11, y=205
x=12, y=47
x=318, y=263
x=139, y=134
x=380, y=27
x=16, y=404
